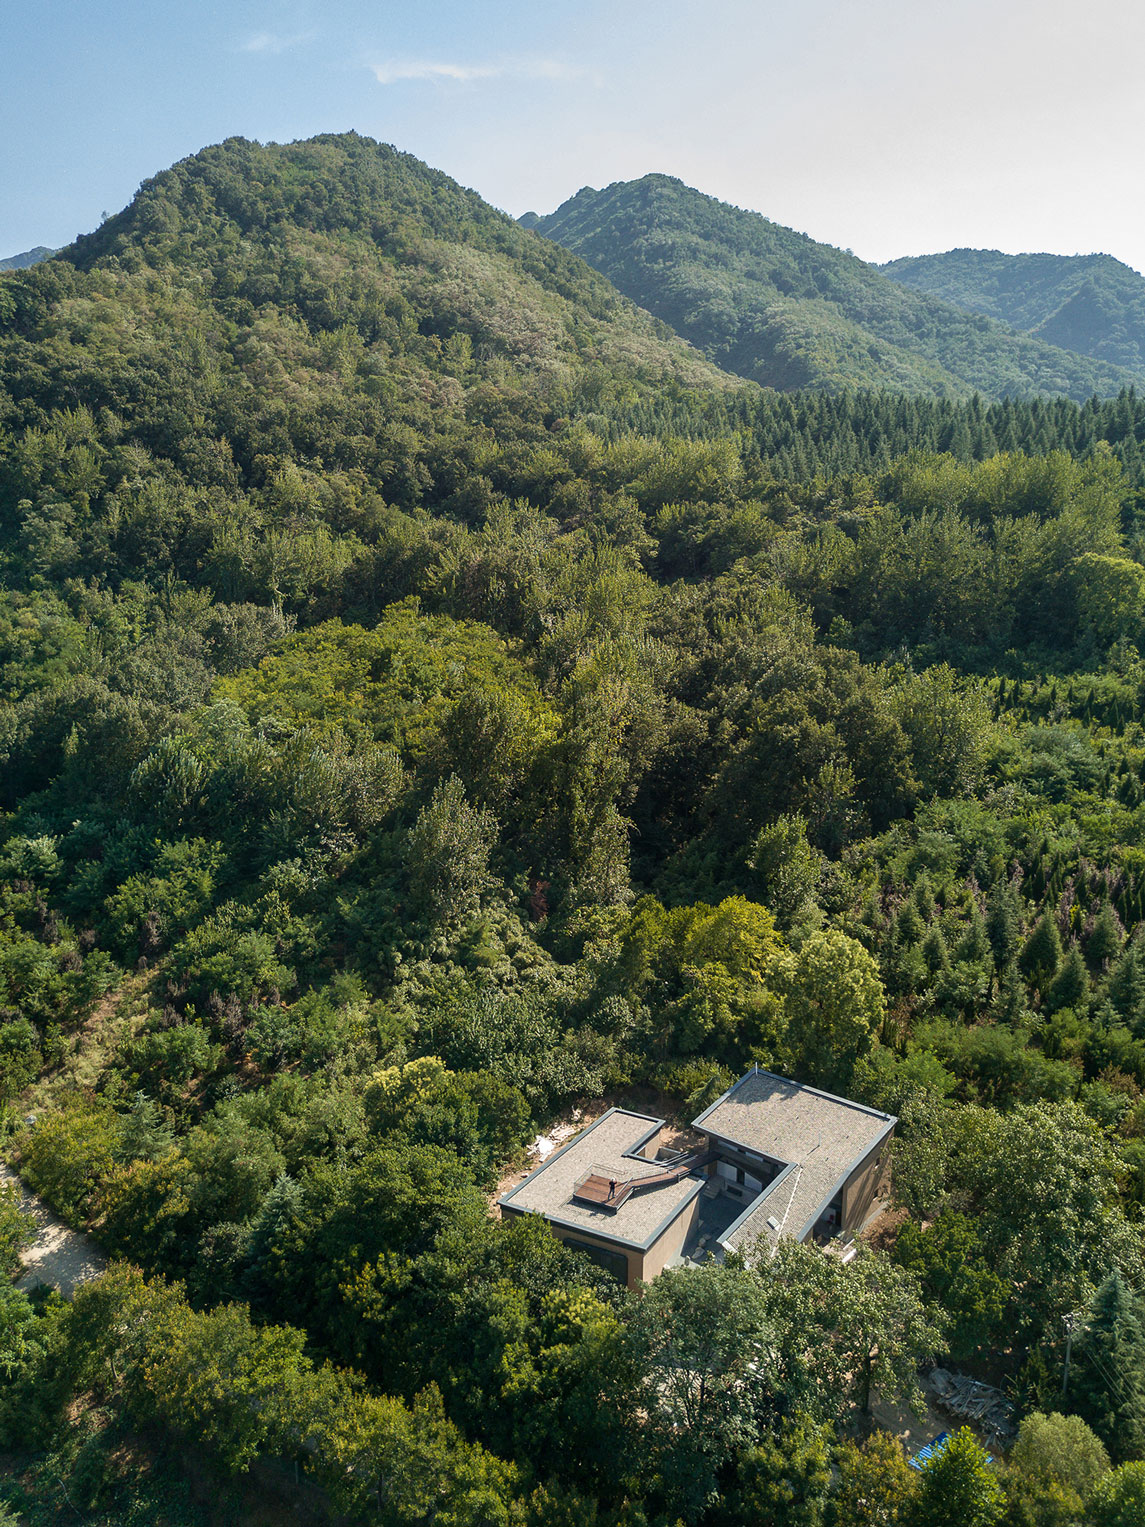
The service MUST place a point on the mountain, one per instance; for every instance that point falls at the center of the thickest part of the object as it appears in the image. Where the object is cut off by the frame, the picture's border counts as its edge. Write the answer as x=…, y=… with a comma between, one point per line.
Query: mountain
x=422, y=712
x=330, y=306
x=775, y=306
x=341, y=230
x=1092, y=304
x=28, y=258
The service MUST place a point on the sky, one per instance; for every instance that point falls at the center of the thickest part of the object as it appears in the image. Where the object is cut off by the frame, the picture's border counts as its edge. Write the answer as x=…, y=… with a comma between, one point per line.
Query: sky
x=890, y=127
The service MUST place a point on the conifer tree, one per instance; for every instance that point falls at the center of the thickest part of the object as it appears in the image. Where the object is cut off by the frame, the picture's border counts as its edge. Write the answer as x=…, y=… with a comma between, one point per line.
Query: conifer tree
x=1107, y=1386
x=1010, y=1007
x=935, y=952
x=1126, y=988
x=923, y=897
x=1003, y=922
x=1070, y=985
x=910, y=924
x=1041, y=955
x=975, y=945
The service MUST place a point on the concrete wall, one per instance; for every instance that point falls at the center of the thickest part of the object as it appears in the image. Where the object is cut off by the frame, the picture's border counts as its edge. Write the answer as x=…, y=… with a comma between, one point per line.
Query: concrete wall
x=862, y=1187
x=670, y=1244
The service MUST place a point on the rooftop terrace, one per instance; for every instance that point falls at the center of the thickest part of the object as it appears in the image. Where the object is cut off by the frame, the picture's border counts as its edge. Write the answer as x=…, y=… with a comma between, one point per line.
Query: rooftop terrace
x=571, y=1188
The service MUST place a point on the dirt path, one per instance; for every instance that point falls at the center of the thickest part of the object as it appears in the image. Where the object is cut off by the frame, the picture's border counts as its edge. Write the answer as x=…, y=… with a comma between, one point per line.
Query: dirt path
x=914, y=1432
x=60, y=1257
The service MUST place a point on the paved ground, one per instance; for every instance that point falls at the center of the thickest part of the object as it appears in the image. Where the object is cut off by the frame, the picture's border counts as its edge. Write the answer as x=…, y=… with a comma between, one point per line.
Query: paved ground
x=59, y=1257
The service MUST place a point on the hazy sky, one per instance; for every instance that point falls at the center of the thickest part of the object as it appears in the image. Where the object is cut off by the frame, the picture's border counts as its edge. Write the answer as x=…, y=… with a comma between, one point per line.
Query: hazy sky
x=887, y=126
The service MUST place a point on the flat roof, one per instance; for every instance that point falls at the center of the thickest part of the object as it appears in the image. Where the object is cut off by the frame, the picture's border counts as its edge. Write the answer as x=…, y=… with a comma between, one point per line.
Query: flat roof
x=821, y=1138
x=610, y=1145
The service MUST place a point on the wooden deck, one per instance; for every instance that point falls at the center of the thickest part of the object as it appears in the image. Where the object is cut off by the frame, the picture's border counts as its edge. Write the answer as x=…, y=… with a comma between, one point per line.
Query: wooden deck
x=597, y=1190
x=611, y=1192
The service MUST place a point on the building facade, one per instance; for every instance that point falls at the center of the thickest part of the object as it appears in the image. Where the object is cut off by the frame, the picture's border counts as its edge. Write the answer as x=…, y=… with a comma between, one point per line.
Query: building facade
x=775, y=1159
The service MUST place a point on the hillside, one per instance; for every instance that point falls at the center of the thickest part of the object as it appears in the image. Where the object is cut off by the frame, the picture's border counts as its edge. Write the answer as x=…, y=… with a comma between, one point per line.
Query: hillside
x=28, y=258
x=334, y=304
x=1092, y=304
x=435, y=706
x=341, y=230
x=775, y=306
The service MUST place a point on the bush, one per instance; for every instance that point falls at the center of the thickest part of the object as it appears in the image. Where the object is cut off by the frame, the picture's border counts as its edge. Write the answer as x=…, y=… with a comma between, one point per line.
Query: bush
x=67, y=1155
x=1119, y=1499
x=1060, y=1448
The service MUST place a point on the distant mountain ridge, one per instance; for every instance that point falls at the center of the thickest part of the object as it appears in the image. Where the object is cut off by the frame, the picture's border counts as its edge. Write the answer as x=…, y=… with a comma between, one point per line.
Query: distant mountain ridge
x=1093, y=304
x=781, y=309
x=29, y=258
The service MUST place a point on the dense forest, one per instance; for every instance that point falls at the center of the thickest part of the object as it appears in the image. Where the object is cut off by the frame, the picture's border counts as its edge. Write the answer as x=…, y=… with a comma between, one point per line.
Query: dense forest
x=1090, y=303
x=781, y=309
x=437, y=702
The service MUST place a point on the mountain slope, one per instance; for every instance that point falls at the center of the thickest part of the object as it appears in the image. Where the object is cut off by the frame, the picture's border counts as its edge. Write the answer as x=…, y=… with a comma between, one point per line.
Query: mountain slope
x=339, y=229
x=29, y=258
x=775, y=306
x=331, y=304
x=1093, y=304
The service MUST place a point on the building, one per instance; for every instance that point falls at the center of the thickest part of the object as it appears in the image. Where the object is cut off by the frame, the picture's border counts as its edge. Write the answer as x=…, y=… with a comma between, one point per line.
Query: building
x=775, y=1158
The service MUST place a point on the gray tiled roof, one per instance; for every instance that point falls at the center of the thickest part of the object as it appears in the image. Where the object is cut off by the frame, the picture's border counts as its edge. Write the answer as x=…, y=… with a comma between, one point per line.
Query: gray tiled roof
x=824, y=1138
x=602, y=1147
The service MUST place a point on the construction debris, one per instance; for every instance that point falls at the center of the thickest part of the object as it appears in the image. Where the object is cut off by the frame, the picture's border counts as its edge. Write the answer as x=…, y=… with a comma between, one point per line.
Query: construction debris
x=980, y=1403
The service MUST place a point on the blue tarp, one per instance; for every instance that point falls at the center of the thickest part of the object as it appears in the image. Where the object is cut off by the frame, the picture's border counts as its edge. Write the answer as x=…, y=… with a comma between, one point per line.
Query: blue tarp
x=932, y=1450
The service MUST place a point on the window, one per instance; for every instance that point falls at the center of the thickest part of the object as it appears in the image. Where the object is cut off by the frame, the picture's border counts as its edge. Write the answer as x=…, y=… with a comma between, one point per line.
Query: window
x=614, y=1262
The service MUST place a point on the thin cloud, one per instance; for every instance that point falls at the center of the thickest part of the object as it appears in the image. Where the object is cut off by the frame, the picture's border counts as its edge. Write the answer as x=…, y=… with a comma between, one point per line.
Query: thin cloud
x=274, y=42
x=396, y=71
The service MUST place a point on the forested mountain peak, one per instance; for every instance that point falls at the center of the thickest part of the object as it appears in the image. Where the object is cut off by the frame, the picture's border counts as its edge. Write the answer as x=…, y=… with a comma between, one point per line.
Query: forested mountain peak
x=333, y=183
x=1093, y=303
x=775, y=305
x=28, y=258
x=340, y=229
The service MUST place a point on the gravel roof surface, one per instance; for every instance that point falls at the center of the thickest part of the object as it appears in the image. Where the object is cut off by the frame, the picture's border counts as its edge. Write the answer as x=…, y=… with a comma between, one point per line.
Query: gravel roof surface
x=601, y=1148
x=822, y=1136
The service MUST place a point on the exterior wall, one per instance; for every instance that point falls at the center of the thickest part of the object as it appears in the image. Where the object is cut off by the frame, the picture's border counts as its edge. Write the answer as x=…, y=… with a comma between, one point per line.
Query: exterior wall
x=763, y=1168
x=628, y=1260
x=753, y=1185
x=642, y=1266
x=862, y=1187
x=670, y=1244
